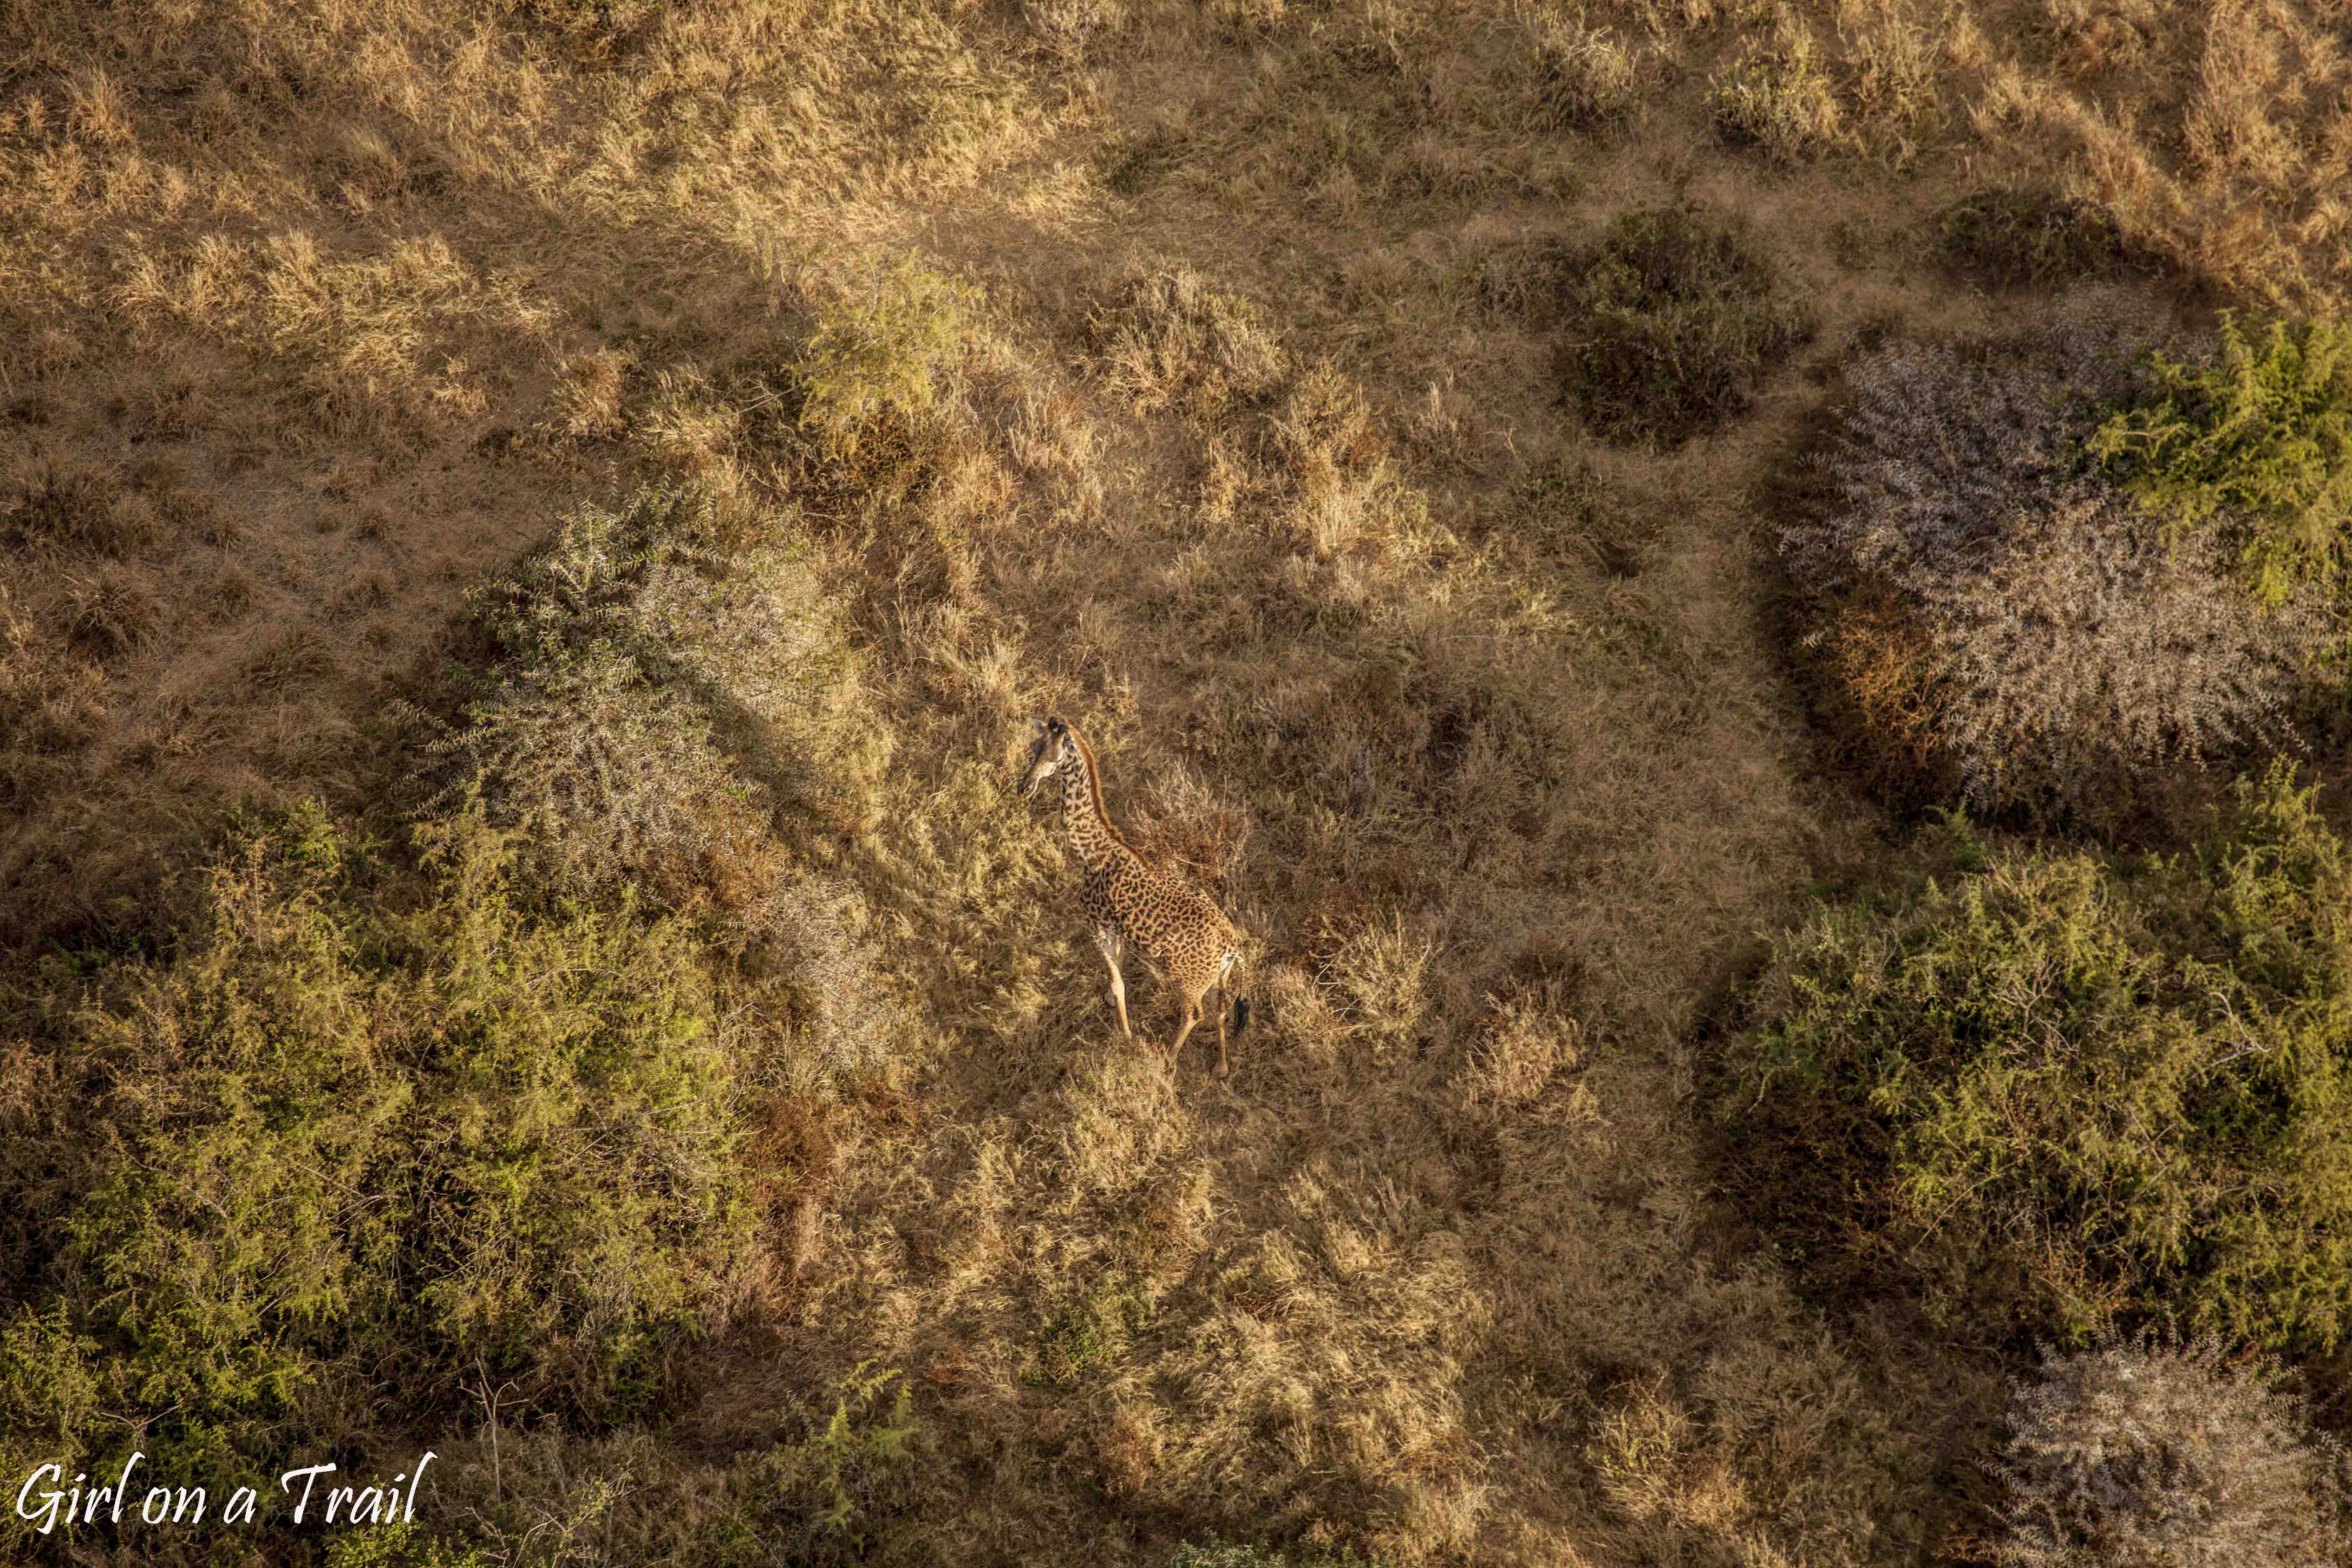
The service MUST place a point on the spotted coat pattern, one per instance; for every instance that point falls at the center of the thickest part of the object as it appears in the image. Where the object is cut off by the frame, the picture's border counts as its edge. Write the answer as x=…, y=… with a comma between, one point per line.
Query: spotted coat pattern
x=1125, y=900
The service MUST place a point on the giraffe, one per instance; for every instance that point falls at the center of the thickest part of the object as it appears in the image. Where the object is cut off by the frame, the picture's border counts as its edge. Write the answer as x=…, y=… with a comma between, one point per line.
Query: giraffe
x=1173, y=922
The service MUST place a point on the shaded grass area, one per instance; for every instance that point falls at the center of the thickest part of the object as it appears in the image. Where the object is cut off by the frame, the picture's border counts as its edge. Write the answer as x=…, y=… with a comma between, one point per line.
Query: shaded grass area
x=2018, y=239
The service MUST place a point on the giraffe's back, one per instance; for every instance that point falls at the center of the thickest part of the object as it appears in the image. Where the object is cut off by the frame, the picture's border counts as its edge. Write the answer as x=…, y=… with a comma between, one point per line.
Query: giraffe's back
x=1171, y=919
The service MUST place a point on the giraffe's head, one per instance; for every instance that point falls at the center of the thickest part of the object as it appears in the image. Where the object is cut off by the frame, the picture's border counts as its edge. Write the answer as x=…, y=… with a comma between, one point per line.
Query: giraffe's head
x=1055, y=746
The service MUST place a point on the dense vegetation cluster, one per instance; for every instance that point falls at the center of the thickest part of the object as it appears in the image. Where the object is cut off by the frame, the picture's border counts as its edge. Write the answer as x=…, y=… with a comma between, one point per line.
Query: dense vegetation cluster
x=363, y=1138
x=387, y=1131
x=2010, y=617
x=2074, y=1086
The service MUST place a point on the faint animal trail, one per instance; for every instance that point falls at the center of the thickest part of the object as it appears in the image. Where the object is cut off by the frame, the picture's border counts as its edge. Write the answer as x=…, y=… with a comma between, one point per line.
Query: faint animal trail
x=1172, y=922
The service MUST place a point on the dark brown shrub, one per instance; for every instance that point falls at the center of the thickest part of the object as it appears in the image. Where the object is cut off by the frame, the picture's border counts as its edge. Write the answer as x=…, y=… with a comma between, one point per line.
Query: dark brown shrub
x=2011, y=239
x=1674, y=319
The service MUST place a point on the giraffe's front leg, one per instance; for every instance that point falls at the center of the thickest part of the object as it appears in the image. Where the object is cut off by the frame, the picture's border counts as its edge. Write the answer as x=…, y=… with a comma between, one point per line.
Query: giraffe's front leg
x=1113, y=949
x=1220, y=1028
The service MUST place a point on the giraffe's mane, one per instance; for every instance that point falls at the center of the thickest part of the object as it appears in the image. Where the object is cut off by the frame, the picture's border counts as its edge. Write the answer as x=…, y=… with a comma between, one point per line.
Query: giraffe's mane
x=1095, y=791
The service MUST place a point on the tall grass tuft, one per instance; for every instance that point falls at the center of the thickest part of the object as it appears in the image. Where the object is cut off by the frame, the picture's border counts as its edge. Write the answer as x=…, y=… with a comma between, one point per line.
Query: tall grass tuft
x=1778, y=102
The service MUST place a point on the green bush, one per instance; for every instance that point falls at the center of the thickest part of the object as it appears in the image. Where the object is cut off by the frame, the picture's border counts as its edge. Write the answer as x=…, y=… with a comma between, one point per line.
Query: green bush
x=2133, y=1453
x=2253, y=442
x=365, y=1139
x=397, y=1546
x=2064, y=1089
x=1675, y=318
x=838, y=1486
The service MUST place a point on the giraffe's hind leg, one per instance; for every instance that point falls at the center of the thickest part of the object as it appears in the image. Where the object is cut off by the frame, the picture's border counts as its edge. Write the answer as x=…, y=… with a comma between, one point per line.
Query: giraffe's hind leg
x=1191, y=1018
x=1113, y=949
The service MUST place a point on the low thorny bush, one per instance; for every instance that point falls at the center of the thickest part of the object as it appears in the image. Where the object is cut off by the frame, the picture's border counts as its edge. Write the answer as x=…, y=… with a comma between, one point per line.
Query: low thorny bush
x=669, y=694
x=2026, y=629
x=2135, y=1452
x=1673, y=318
x=654, y=672
x=2062, y=1090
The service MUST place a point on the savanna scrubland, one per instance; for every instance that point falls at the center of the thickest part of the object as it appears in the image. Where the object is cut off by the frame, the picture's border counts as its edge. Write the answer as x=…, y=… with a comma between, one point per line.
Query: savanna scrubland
x=1745, y=601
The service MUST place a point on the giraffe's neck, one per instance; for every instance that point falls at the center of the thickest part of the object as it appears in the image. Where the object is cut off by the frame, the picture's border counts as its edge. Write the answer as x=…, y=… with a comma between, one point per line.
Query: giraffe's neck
x=1083, y=817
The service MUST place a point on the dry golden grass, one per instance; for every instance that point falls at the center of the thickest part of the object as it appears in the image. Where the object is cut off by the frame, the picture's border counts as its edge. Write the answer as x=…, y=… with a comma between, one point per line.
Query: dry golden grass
x=1246, y=458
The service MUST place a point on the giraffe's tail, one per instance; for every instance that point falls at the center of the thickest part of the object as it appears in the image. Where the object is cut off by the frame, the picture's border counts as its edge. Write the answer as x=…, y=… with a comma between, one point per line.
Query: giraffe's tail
x=1241, y=1003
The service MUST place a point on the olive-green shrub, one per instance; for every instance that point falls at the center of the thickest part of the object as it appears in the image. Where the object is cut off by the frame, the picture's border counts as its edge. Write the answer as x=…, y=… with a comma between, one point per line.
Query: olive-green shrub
x=2061, y=1088
x=879, y=350
x=2252, y=441
x=372, y=1133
